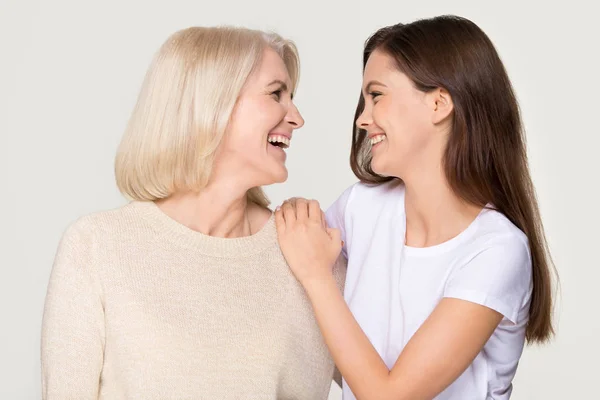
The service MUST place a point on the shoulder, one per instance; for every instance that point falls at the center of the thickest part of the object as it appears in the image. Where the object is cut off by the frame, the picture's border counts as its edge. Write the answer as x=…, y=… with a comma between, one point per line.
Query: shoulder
x=363, y=196
x=497, y=252
x=494, y=267
x=391, y=190
x=106, y=223
x=495, y=231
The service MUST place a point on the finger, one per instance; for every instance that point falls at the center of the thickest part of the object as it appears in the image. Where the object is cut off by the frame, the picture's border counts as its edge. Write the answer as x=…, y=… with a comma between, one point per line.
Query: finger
x=323, y=220
x=314, y=210
x=279, y=221
x=292, y=201
x=301, y=209
x=289, y=212
x=335, y=235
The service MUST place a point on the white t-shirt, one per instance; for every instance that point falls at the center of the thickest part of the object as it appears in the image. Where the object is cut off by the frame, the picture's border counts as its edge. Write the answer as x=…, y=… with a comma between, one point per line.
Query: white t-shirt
x=391, y=288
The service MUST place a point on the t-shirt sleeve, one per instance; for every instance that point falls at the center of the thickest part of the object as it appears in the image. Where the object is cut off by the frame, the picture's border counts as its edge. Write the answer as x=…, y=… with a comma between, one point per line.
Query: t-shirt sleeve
x=498, y=277
x=336, y=216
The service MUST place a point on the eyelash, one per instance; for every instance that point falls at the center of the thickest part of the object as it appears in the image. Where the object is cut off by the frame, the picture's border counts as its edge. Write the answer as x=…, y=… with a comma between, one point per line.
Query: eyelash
x=277, y=94
x=374, y=95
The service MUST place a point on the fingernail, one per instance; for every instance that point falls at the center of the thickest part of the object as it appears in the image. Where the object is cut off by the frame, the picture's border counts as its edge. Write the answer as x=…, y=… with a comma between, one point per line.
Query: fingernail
x=277, y=208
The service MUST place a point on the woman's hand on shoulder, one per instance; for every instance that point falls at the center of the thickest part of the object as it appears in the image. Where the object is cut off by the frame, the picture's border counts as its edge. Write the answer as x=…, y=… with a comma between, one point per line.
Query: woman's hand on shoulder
x=308, y=245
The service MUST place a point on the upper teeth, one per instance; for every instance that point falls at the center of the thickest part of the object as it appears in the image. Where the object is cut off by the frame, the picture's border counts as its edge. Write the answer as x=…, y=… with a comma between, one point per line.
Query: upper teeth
x=279, y=139
x=377, y=139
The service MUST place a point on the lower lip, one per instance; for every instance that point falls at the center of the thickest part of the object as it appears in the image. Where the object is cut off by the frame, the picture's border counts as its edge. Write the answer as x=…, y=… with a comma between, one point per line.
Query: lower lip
x=278, y=150
x=374, y=146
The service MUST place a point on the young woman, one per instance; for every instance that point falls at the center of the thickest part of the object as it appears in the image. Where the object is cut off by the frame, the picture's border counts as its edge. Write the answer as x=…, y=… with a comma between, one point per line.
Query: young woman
x=448, y=270
x=184, y=293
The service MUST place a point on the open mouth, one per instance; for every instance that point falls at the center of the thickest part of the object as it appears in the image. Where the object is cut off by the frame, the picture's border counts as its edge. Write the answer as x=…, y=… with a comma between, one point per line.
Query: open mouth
x=377, y=139
x=279, y=141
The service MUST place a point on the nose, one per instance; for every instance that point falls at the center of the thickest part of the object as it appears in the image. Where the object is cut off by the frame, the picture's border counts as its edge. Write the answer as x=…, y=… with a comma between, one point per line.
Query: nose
x=365, y=118
x=293, y=117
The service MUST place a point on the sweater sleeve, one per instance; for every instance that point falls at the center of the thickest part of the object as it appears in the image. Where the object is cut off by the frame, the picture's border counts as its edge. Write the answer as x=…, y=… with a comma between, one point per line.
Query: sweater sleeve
x=73, y=332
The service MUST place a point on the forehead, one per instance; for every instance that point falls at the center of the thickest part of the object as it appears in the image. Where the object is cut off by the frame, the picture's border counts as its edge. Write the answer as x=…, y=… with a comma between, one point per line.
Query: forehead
x=379, y=63
x=271, y=68
x=381, y=68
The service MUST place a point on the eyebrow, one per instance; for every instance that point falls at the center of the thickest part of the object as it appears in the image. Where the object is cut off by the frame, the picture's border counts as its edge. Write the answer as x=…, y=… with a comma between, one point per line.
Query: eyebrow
x=372, y=83
x=283, y=85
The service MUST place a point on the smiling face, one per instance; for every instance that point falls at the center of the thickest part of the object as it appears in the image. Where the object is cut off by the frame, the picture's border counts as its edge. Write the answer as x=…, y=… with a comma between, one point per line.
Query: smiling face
x=261, y=126
x=402, y=122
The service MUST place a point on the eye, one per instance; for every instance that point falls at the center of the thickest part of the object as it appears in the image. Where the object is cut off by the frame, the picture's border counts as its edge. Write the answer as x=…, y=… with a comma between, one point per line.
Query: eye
x=374, y=95
x=276, y=94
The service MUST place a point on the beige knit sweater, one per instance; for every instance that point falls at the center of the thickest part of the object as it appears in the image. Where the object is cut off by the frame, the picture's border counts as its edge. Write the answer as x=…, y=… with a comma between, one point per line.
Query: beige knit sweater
x=141, y=307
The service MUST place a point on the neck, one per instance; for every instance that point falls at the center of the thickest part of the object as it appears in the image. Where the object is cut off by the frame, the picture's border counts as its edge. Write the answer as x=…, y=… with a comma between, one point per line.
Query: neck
x=221, y=209
x=434, y=213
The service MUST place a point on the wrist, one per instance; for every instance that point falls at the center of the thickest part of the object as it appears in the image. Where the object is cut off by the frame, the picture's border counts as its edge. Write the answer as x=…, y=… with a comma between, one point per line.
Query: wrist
x=318, y=284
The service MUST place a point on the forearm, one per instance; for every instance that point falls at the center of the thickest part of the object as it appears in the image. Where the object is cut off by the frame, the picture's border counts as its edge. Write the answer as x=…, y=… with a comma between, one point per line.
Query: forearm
x=358, y=361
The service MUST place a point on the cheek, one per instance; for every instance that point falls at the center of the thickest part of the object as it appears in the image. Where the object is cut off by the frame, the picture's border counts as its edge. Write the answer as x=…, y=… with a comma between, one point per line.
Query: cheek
x=276, y=115
x=265, y=114
x=251, y=123
x=391, y=118
x=402, y=123
x=262, y=118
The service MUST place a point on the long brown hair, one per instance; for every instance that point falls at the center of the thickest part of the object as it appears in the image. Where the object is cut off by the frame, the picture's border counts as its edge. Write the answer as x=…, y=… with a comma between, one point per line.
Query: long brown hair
x=485, y=160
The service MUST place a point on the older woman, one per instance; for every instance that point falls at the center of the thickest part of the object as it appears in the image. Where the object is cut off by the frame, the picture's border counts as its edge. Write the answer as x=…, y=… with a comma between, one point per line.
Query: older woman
x=184, y=293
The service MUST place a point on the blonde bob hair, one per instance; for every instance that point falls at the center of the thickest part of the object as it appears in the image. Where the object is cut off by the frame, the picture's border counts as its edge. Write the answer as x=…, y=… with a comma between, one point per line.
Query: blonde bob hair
x=185, y=103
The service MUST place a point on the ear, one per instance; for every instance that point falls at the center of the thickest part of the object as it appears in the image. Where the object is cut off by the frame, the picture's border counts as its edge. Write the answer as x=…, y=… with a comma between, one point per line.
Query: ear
x=441, y=105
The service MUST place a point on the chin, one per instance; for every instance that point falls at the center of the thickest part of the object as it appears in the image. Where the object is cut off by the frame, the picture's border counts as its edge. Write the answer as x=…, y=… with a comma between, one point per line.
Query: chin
x=384, y=171
x=282, y=177
x=378, y=167
x=278, y=176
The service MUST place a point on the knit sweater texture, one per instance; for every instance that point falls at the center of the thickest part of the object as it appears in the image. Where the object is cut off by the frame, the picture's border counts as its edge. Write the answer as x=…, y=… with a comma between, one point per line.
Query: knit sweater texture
x=141, y=307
